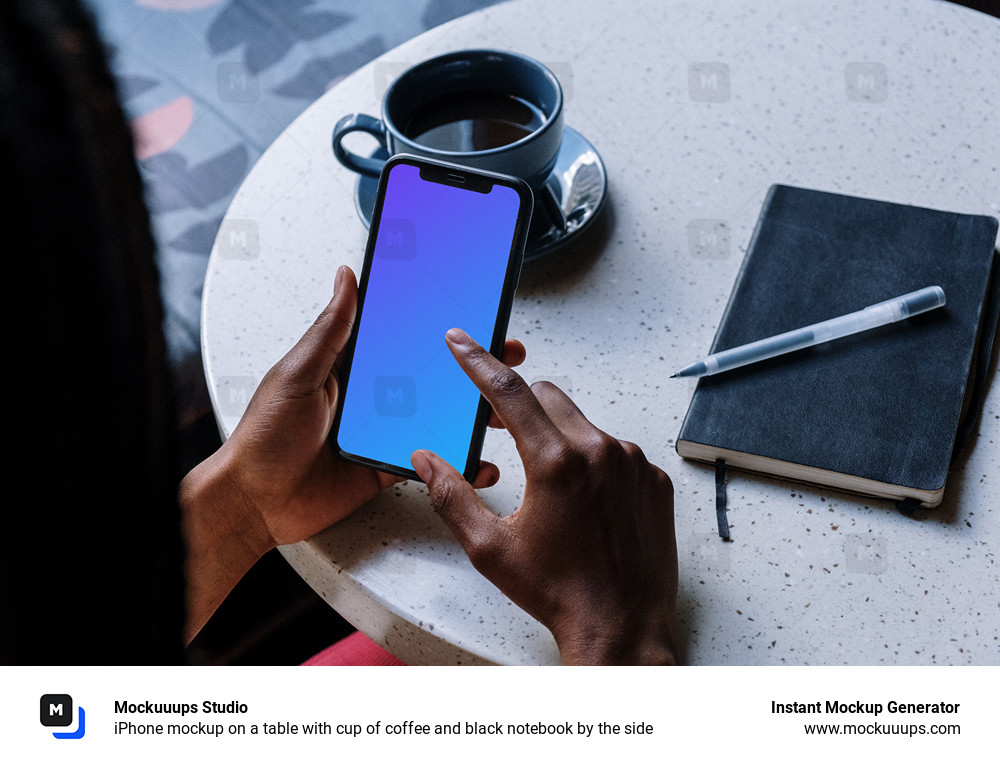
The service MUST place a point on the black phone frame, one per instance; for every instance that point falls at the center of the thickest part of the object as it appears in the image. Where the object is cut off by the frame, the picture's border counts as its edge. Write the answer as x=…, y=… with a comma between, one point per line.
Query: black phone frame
x=461, y=176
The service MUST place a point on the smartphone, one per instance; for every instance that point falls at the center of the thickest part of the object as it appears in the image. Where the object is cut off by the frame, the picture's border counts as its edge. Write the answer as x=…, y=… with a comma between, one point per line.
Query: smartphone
x=444, y=250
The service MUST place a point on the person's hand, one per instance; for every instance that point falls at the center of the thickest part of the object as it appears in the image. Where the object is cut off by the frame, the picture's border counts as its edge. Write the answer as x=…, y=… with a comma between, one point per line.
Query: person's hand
x=279, y=448
x=590, y=552
x=276, y=480
x=278, y=453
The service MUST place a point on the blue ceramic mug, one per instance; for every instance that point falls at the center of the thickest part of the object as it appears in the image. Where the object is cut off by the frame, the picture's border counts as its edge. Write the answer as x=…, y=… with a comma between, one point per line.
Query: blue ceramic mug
x=493, y=110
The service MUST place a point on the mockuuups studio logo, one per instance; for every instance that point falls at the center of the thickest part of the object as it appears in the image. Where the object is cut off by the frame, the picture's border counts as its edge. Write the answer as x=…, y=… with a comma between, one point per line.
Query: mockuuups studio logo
x=56, y=711
x=238, y=239
x=708, y=239
x=562, y=382
x=397, y=239
x=386, y=72
x=395, y=396
x=708, y=553
x=866, y=554
x=563, y=71
x=236, y=83
x=866, y=81
x=233, y=393
x=708, y=81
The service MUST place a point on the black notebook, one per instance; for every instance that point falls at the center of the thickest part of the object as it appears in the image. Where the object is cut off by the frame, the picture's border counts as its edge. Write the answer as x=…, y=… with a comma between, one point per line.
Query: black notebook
x=878, y=412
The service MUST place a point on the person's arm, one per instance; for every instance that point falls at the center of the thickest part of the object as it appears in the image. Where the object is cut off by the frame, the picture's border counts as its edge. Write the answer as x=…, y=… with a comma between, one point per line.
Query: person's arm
x=590, y=552
x=275, y=480
x=224, y=538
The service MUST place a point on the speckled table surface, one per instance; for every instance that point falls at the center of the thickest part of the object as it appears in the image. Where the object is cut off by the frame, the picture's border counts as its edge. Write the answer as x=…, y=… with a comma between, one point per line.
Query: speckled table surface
x=696, y=109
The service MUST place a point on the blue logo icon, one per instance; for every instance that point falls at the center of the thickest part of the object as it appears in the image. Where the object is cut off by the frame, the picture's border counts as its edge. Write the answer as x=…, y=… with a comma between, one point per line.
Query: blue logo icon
x=57, y=710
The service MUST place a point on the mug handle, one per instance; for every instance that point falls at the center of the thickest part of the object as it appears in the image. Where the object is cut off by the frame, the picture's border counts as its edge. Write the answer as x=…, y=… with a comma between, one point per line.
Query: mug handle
x=367, y=166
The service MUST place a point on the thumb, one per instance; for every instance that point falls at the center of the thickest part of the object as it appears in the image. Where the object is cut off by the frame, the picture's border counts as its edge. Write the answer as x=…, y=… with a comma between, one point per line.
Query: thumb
x=317, y=352
x=477, y=528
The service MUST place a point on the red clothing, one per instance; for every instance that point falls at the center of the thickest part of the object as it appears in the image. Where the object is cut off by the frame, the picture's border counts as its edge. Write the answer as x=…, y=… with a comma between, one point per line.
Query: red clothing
x=355, y=649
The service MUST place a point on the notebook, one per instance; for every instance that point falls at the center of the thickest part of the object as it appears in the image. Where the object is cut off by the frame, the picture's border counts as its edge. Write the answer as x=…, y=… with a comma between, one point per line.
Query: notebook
x=878, y=413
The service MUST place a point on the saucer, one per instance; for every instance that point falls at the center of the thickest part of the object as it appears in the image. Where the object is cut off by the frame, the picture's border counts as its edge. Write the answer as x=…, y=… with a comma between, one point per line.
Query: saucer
x=568, y=203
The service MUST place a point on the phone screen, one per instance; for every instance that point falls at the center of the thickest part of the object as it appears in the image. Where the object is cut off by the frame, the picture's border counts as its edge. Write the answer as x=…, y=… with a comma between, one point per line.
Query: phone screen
x=441, y=254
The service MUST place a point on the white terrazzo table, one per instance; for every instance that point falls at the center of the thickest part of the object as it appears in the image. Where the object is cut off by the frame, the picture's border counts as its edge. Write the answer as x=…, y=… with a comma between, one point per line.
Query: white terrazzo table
x=696, y=109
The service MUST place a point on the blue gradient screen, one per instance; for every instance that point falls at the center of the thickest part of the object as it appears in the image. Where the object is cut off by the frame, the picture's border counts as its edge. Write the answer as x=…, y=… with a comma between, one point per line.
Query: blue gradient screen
x=439, y=261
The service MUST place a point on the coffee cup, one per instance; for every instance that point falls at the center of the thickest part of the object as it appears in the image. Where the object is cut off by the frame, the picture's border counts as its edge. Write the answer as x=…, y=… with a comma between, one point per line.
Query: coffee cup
x=493, y=110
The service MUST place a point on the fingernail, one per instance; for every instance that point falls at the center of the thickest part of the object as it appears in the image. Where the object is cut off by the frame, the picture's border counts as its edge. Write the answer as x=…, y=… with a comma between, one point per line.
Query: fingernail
x=339, y=279
x=422, y=466
x=458, y=337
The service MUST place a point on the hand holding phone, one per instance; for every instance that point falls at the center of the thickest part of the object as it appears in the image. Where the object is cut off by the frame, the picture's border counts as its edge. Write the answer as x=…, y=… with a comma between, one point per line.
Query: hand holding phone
x=444, y=251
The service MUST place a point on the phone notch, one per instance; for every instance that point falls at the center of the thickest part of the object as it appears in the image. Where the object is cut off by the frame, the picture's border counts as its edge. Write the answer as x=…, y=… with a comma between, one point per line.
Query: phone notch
x=456, y=177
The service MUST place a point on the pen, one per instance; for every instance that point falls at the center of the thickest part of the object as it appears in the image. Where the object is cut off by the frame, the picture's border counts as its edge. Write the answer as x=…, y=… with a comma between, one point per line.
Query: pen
x=874, y=316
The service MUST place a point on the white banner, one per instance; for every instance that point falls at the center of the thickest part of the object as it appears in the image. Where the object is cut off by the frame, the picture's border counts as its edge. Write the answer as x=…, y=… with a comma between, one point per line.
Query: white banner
x=271, y=715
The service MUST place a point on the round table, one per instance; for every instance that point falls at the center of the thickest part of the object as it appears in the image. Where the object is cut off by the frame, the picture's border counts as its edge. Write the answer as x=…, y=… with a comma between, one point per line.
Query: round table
x=696, y=109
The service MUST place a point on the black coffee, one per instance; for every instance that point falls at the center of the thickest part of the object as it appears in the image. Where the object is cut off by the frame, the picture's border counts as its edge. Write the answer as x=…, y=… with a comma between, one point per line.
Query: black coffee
x=471, y=121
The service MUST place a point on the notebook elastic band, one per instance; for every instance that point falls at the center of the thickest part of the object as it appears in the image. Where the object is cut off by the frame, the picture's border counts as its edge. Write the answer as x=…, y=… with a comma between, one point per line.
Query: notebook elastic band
x=721, y=516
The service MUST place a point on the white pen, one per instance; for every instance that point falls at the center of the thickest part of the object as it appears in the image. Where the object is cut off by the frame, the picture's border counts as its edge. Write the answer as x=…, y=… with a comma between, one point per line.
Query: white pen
x=874, y=316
